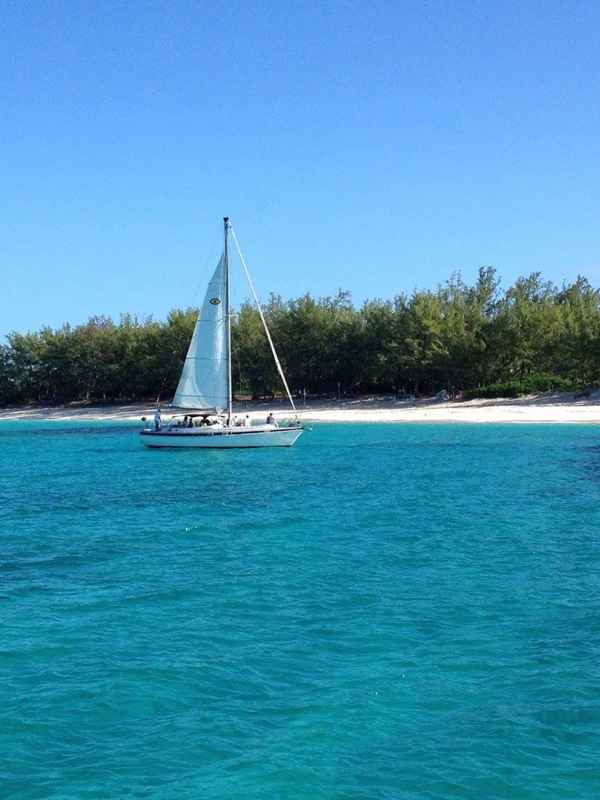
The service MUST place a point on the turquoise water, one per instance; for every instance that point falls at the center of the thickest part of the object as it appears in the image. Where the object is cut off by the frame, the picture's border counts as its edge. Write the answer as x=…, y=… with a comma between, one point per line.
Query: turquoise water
x=382, y=611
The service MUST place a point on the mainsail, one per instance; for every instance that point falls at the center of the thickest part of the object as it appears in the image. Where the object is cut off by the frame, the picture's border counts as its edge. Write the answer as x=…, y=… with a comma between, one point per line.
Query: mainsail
x=204, y=381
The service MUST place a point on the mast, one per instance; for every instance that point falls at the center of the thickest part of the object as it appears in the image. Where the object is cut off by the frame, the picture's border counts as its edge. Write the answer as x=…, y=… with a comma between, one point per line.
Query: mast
x=228, y=316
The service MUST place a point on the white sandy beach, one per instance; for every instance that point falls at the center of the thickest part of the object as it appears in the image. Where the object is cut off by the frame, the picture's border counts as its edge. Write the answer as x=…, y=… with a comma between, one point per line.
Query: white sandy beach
x=550, y=408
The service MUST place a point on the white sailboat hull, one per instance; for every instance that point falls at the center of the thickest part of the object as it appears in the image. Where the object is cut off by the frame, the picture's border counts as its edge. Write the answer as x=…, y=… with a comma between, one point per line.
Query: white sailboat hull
x=219, y=438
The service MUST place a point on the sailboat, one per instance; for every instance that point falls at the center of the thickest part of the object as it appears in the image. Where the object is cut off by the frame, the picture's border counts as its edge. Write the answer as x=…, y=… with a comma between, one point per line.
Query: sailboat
x=205, y=385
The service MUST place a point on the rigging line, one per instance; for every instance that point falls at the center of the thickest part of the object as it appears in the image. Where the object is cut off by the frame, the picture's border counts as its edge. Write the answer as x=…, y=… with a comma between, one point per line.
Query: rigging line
x=264, y=322
x=209, y=260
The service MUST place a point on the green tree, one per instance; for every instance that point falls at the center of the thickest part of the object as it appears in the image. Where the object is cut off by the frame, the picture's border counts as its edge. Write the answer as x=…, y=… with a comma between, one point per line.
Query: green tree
x=311, y=335
x=376, y=351
x=578, y=349
x=253, y=368
x=7, y=376
x=527, y=328
x=24, y=362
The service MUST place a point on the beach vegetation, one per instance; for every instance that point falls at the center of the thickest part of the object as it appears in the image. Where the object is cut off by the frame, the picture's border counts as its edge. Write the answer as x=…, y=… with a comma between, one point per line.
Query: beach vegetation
x=473, y=340
x=532, y=385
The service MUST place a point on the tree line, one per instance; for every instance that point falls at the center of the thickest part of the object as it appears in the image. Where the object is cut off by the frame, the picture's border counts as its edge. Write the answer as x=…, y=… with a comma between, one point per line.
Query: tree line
x=459, y=338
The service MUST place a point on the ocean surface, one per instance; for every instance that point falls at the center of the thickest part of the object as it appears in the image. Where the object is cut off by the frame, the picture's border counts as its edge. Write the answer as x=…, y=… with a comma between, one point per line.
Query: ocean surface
x=382, y=611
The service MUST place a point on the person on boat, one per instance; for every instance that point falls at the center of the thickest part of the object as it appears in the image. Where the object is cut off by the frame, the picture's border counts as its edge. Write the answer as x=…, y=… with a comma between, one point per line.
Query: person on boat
x=247, y=421
x=190, y=422
x=184, y=424
x=271, y=420
x=157, y=420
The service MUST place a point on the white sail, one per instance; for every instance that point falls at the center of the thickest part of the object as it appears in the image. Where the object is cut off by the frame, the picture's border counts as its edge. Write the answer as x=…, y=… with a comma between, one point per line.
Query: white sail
x=204, y=381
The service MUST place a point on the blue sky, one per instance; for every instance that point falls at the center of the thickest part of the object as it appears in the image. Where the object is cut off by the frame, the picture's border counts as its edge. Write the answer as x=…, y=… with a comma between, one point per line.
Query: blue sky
x=373, y=146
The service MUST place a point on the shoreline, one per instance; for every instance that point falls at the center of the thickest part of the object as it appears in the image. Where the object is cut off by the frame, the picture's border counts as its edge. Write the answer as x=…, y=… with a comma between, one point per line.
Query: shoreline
x=565, y=408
